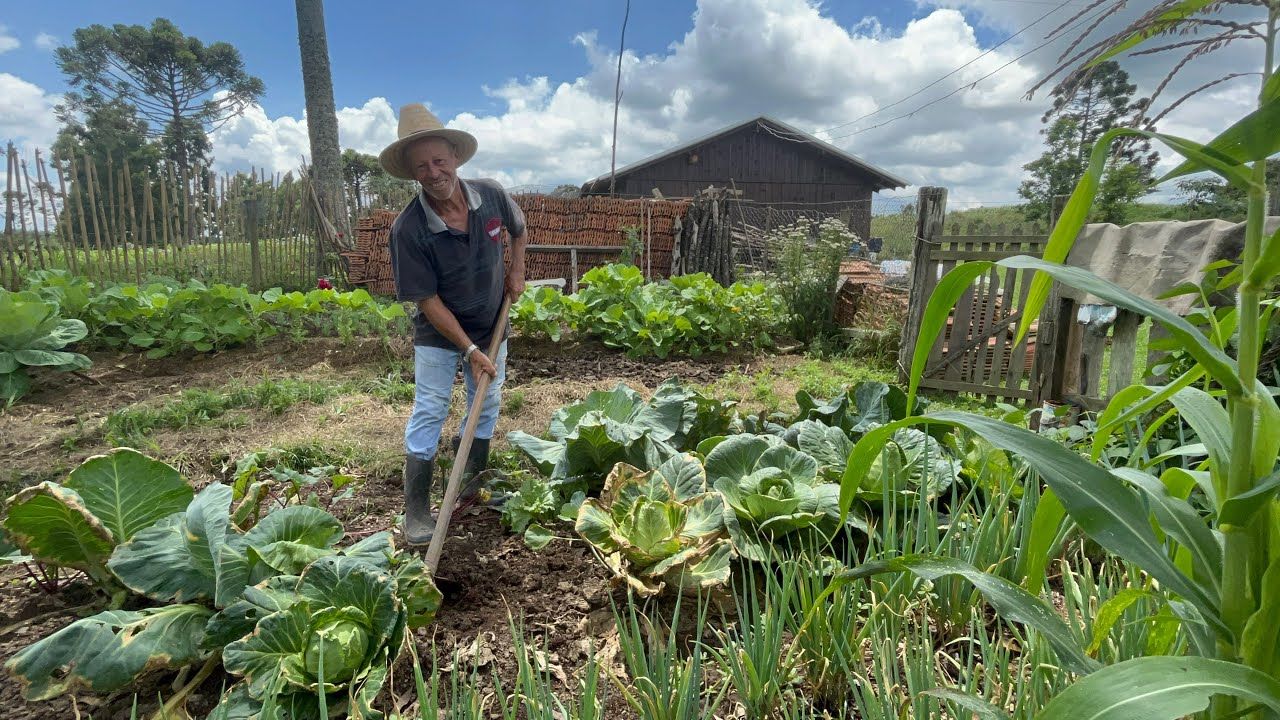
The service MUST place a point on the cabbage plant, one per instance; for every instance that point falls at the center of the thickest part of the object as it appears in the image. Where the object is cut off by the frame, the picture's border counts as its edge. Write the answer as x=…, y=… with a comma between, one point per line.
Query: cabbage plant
x=33, y=334
x=771, y=490
x=912, y=463
x=305, y=622
x=660, y=527
x=588, y=438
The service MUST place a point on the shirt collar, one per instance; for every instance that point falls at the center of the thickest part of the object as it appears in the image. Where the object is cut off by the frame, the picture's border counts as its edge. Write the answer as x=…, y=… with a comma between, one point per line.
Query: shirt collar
x=434, y=223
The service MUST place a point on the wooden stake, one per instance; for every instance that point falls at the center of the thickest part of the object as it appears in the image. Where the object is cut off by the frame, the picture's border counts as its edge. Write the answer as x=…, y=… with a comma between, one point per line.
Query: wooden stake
x=35, y=222
x=82, y=178
x=64, y=238
x=91, y=180
x=134, y=233
x=170, y=251
x=464, y=449
x=8, y=218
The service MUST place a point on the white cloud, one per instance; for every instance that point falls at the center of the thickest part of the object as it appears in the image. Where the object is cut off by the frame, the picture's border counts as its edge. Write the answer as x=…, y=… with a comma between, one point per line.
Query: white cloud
x=784, y=58
x=45, y=41
x=7, y=41
x=26, y=113
x=279, y=145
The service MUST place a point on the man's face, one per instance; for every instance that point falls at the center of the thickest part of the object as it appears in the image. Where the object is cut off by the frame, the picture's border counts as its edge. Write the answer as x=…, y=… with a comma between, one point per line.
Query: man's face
x=434, y=165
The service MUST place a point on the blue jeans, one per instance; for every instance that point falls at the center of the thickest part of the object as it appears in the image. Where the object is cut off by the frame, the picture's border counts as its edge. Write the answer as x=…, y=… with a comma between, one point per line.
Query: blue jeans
x=434, y=370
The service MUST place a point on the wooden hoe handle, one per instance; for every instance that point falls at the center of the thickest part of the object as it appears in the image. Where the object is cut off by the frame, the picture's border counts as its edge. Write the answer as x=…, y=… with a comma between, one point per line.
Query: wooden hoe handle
x=468, y=435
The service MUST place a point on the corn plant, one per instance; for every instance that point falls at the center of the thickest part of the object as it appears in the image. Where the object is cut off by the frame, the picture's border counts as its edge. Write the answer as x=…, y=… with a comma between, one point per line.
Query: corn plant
x=1218, y=570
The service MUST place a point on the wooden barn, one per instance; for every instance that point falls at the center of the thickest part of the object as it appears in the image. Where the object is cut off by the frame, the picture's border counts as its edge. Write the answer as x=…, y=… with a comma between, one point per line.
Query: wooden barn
x=769, y=162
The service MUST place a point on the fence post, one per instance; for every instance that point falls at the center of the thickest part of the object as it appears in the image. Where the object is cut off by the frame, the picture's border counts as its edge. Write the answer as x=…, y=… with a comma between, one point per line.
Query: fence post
x=251, y=234
x=931, y=210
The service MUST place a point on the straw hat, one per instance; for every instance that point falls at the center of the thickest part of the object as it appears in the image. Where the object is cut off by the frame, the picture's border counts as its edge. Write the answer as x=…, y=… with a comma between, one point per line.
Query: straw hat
x=417, y=122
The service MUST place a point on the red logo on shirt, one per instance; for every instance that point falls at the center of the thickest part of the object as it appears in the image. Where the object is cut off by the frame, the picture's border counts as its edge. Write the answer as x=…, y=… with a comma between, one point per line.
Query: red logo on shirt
x=493, y=228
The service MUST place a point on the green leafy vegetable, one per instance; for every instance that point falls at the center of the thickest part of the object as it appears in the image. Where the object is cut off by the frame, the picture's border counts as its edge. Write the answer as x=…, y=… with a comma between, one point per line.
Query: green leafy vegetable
x=659, y=527
x=33, y=334
x=771, y=490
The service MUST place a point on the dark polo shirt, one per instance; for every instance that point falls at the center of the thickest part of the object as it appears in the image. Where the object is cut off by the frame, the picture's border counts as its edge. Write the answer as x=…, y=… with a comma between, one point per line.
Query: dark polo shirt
x=463, y=266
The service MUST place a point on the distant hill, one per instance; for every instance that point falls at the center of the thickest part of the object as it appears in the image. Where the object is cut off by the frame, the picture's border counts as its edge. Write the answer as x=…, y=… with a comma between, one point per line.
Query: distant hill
x=898, y=229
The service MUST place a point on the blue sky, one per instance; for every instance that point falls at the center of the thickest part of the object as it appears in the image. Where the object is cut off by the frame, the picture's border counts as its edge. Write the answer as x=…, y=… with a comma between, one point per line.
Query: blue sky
x=397, y=49
x=534, y=80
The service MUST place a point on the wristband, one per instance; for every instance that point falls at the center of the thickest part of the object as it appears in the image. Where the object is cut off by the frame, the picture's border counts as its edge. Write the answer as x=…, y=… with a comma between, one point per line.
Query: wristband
x=470, y=349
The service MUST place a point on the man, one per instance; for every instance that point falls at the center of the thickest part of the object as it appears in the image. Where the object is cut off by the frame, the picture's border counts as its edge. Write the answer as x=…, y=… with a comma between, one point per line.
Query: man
x=447, y=258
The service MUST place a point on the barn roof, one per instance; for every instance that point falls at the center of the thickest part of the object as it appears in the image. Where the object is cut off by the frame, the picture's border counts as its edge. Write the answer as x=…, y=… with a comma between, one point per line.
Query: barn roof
x=884, y=179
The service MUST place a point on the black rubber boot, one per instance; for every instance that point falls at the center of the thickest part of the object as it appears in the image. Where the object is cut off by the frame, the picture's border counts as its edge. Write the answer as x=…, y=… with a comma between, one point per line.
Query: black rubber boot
x=419, y=522
x=473, y=474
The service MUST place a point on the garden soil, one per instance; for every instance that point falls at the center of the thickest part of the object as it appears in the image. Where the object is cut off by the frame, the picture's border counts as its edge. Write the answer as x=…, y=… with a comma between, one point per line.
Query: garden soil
x=560, y=595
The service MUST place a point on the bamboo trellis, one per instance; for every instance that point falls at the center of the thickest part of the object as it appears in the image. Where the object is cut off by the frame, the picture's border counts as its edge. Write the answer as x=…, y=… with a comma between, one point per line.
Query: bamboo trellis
x=113, y=222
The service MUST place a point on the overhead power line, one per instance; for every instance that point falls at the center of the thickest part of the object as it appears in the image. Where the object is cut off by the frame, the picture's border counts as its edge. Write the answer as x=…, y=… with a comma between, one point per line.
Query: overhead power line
x=989, y=50
x=969, y=86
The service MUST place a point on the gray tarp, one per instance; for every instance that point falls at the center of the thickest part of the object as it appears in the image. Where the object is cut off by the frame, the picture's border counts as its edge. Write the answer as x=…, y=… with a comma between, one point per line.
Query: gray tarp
x=1152, y=257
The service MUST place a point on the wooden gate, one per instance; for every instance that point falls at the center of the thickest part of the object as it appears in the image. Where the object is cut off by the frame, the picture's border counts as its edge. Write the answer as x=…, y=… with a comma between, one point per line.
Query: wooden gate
x=976, y=353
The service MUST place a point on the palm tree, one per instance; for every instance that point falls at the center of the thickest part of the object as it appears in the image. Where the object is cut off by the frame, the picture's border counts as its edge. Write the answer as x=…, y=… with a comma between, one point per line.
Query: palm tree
x=322, y=118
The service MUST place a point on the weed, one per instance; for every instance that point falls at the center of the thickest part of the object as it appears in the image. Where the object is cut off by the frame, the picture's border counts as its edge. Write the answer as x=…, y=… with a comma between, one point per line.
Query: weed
x=513, y=402
x=204, y=407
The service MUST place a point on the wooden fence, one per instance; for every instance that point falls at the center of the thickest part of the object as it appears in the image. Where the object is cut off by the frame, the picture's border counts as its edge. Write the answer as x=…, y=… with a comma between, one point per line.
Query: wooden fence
x=1062, y=359
x=112, y=222
x=977, y=352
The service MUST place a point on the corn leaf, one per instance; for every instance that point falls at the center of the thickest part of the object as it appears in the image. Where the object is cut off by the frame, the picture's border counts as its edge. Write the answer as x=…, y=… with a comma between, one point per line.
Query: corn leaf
x=1009, y=601
x=1251, y=138
x=1107, y=510
x=1159, y=688
x=1220, y=365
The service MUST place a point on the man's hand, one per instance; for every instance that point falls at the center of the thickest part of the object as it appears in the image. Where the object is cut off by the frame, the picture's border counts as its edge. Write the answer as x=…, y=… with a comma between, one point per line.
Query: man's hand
x=481, y=364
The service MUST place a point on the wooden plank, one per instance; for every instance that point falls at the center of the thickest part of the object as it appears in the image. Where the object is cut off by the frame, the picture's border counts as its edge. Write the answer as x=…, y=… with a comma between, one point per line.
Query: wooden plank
x=978, y=337
x=1018, y=350
x=1124, y=346
x=1002, y=350
x=1093, y=347
x=1049, y=368
x=956, y=386
x=950, y=333
x=962, y=327
x=1087, y=403
x=986, y=352
x=931, y=210
x=986, y=254
x=1018, y=240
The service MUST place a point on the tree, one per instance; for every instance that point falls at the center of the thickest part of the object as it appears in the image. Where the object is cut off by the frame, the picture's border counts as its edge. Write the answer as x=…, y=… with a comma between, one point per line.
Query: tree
x=1055, y=172
x=180, y=87
x=109, y=135
x=322, y=118
x=386, y=191
x=1210, y=197
x=111, y=130
x=1102, y=100
x=357, y=168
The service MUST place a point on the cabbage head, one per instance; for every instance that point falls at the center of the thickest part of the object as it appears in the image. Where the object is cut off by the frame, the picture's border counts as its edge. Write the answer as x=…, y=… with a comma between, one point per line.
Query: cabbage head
x=334, y=630
x=658, y=528
x=770, y=490
x=912, y=462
